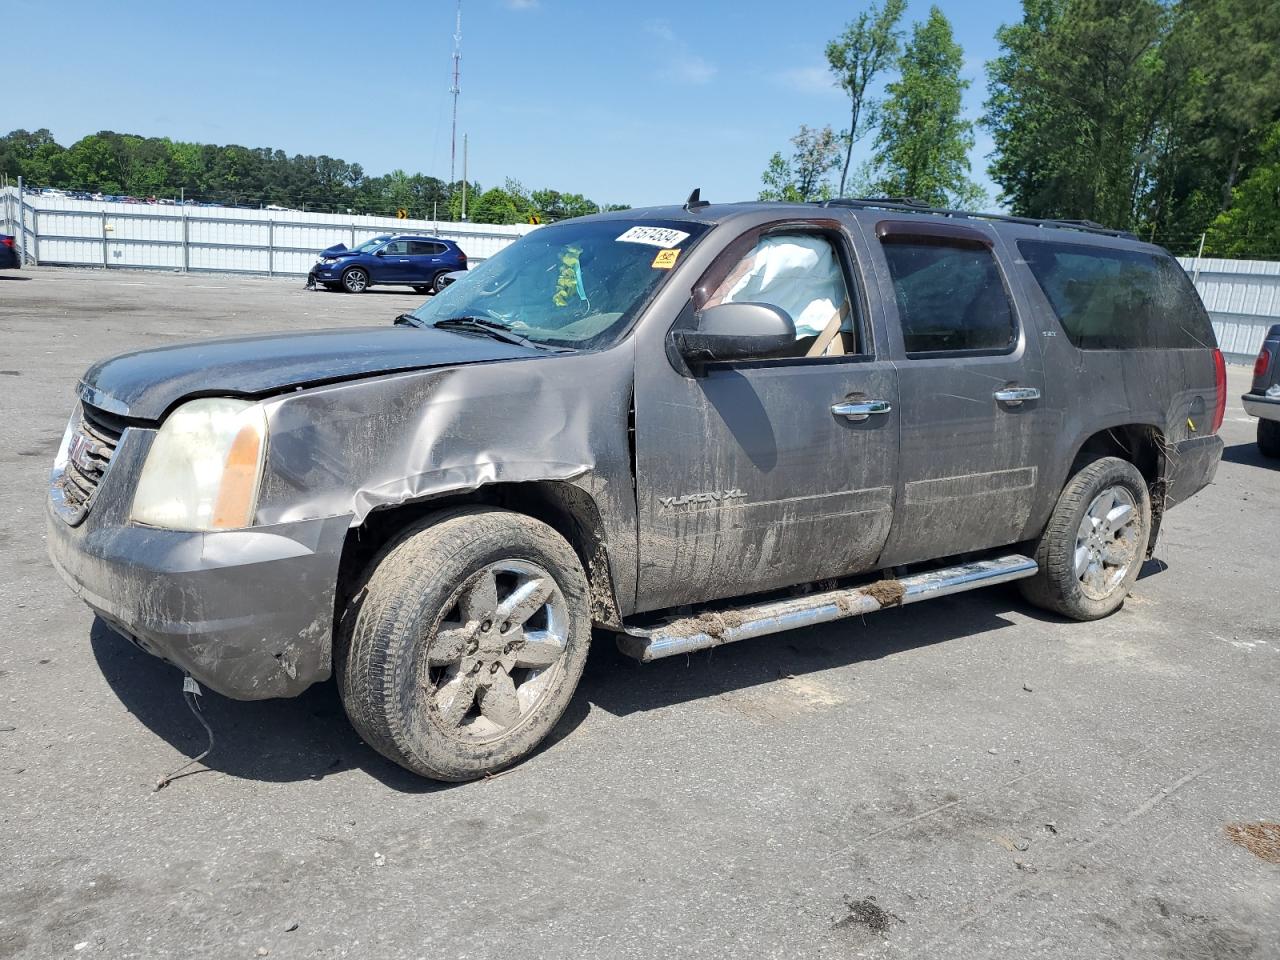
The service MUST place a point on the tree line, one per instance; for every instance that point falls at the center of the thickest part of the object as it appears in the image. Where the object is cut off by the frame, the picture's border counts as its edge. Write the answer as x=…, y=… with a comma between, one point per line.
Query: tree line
x=1157, y=116
x=121, y=164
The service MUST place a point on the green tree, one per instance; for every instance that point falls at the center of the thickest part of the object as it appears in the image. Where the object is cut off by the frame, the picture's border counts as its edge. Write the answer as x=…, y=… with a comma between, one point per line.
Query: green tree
x=1251, y=227
x=863, y=50
x=34, y=156
x=805, y=175
x=1079, y=106
x=923, y=145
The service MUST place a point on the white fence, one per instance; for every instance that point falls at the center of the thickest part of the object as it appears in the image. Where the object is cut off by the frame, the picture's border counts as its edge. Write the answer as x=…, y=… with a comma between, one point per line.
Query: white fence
x=66, y=232
x=1243, y=299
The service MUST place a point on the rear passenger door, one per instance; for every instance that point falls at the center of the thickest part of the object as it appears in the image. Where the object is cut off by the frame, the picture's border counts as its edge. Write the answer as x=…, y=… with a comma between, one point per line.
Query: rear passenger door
x=424, y=260
x=971, y=391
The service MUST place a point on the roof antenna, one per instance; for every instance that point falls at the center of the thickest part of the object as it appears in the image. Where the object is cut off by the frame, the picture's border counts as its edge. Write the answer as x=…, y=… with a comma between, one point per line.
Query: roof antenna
x=695, y=200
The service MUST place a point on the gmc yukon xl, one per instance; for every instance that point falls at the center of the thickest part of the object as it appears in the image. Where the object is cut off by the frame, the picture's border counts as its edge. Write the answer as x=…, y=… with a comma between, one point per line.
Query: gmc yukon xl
x=687, y=425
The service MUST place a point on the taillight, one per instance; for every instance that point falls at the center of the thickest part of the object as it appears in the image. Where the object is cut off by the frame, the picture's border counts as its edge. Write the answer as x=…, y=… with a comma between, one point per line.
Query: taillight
x=1220, y=385
x=1262, y=364
x=6, y=241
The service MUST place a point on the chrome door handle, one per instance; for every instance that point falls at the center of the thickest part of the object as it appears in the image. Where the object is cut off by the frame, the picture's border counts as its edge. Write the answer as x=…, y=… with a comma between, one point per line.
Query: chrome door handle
x=857, y=410
x=1015, y=395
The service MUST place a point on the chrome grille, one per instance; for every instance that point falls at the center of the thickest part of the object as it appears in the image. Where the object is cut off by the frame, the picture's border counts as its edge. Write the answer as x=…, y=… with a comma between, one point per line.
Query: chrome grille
x=93, y=443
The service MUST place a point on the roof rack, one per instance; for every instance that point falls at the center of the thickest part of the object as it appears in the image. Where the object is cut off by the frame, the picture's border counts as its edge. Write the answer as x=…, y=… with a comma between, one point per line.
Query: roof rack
x=911, y=205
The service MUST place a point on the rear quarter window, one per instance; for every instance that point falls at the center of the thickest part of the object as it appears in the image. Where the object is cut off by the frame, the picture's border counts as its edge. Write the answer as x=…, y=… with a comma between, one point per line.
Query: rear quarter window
x=1114, y=299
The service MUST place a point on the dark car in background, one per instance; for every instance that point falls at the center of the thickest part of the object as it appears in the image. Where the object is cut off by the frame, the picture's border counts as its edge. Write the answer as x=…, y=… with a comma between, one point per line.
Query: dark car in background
x=1263, y=399
x=417, y=261
x=8, y=253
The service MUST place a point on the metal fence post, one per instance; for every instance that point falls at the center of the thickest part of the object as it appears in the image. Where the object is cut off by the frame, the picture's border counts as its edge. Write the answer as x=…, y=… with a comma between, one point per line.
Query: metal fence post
x=186, y=239
x=22, y=220
x=271, y=248
x=35, y=236
x=105, y=262
x=353, y=233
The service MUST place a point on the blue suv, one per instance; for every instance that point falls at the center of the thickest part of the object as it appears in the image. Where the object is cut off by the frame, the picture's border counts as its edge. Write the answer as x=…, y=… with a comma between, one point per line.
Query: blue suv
x=419, y=262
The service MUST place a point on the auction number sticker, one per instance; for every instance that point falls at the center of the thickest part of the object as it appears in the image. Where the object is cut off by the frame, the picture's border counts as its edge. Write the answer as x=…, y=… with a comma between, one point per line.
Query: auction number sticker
x=654, y=236
x=666, y=259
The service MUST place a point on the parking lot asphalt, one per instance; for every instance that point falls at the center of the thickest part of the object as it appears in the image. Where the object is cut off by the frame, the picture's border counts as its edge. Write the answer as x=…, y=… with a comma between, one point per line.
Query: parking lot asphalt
x=965, y=778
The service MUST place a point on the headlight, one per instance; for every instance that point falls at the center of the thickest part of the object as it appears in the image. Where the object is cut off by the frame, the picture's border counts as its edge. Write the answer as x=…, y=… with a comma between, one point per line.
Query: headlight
x=204, y=467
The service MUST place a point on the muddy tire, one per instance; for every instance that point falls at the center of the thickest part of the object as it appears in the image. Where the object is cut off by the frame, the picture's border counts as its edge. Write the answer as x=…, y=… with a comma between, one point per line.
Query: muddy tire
x=466, y=643
x=1093, y=546
x=1269, y=438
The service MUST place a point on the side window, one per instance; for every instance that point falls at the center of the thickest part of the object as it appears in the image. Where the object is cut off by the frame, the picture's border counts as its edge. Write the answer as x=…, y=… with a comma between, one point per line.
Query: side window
x=800, y=273
x=423, y=248
x=950, y=295
x=396, y=248
x=1113, y=299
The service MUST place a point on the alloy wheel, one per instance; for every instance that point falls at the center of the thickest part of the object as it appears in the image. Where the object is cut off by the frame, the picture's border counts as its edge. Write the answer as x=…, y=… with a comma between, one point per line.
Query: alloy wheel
x=496, y=650
x=1107, y=542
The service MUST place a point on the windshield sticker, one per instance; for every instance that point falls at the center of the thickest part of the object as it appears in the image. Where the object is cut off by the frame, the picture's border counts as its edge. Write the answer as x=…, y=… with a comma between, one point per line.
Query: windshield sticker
x=654, y=236
x=665, y=260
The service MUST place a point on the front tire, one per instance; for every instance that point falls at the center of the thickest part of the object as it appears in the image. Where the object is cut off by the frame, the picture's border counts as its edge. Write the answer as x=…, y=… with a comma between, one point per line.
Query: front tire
x=355, y=280
x=1269, y=438
x=1092, y=548
x=465, y=647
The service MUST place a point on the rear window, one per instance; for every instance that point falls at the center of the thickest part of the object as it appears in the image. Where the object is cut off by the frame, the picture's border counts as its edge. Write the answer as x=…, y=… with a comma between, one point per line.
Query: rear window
x=1109, y=299
x=950, y=295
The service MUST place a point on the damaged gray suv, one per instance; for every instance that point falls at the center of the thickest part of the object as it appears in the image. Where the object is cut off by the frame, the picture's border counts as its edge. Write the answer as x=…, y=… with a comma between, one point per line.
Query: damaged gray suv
x=688, y=426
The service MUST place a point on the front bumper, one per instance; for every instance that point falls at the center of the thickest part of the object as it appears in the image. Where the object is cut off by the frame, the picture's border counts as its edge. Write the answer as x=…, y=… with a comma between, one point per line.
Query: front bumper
x=248, y=613
x=327, y=272
x=1261, y=406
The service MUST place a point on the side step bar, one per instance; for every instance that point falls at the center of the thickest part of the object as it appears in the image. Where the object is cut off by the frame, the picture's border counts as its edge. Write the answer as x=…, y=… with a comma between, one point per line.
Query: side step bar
x=714, y=628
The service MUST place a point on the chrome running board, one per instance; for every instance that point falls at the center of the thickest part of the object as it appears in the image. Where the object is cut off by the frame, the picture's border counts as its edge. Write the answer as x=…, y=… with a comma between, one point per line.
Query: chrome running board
x=713, y=628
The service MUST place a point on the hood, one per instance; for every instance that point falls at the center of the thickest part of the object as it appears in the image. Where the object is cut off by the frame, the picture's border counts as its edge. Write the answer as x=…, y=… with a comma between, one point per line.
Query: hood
x=146, y=384
x=335, y=251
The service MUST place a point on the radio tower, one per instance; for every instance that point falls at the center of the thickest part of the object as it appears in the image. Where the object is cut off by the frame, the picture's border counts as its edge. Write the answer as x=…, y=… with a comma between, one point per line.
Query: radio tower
x=455, y=90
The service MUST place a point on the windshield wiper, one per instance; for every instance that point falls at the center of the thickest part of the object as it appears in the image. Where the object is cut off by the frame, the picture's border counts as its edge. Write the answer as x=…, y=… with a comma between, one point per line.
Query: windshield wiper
x=499, y=331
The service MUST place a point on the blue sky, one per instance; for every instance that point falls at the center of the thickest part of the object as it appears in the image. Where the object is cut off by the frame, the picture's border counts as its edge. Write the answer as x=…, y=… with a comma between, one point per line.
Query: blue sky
x=626, y=102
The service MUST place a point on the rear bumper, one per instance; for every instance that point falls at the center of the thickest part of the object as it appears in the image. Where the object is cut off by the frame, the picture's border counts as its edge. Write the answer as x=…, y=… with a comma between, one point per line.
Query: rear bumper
x=1261, y=406
x=1191, y=467
x=248, y=613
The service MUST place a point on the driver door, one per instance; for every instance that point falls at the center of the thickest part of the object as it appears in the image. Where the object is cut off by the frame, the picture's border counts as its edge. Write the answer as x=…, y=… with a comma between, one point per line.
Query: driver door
x=393, y=264
x=749, y=475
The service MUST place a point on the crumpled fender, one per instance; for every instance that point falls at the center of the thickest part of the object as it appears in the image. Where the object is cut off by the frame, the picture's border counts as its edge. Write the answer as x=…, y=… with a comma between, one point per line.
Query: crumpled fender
x=350, y=448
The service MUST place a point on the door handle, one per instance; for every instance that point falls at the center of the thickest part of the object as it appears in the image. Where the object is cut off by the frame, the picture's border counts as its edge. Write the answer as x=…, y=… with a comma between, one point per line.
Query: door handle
x=858, y=410
x=1015, y=395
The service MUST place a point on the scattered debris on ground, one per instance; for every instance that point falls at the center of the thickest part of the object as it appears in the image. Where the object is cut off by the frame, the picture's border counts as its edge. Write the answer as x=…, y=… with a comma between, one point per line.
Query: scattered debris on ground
x=1260, y=839
x=867, y=913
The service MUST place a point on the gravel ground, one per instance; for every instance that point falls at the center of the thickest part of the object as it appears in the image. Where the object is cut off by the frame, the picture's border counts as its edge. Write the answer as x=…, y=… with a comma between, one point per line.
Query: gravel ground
x=965, y=778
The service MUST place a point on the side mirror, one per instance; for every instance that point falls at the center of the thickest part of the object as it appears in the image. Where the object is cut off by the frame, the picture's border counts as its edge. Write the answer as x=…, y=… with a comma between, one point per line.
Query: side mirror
x=735, y=331
x=381, y=253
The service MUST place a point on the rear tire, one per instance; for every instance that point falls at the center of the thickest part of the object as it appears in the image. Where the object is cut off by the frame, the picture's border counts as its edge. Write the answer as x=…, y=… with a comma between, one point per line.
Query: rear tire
x=437, y=282
x=1269, y=438
x=466, y=644
x=1093, y=546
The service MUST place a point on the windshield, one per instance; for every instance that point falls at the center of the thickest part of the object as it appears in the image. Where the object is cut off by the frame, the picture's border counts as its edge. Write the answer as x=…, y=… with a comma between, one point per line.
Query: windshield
x=575, y=284
x=370, y=245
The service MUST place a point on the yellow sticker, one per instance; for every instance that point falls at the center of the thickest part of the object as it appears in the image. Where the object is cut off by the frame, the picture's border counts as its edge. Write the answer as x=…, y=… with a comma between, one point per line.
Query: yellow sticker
x=665, y=260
